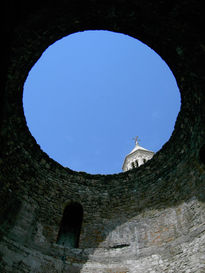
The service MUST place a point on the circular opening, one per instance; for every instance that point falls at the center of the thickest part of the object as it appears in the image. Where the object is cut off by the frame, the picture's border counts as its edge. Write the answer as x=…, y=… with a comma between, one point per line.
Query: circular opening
x=92, y=92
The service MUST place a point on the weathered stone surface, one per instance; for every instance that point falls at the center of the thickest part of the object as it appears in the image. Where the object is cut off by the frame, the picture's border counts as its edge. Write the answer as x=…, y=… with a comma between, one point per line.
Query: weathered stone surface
x=150, y=219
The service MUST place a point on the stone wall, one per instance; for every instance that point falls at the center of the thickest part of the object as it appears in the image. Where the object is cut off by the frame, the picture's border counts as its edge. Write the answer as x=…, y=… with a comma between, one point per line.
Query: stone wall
x=150, y=219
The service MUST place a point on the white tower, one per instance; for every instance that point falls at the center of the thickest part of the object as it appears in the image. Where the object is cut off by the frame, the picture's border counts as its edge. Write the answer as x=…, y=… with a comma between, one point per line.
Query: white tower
x=137, y=157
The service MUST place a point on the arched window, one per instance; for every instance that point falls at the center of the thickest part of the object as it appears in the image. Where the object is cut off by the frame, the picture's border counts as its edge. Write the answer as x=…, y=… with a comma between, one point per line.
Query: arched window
x=70, y=227
x=133, y=165
x=144, y=160
x=136, y=164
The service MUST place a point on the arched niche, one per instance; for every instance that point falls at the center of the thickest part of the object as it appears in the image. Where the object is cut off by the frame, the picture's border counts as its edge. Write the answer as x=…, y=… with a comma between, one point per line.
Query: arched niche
x=136, y=163
x=69, y=232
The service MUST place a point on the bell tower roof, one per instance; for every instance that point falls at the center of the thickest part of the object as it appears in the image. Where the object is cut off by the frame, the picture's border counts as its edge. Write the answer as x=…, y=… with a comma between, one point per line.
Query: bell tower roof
x=137, y=146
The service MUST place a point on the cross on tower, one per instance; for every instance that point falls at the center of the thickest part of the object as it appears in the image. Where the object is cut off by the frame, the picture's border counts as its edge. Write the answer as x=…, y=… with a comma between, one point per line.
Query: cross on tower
x=136, y=139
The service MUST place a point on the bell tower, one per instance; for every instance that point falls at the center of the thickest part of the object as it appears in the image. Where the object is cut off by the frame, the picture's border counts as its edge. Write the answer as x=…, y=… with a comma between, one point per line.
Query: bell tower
x=137, y=157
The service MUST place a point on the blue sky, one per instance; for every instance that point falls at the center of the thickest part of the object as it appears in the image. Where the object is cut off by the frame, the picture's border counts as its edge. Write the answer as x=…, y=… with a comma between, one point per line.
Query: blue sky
x=92, y=92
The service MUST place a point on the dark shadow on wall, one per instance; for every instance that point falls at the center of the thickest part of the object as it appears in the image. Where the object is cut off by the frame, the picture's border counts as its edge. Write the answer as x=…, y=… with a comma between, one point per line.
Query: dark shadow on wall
x=202, y=154
x=9, y=209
